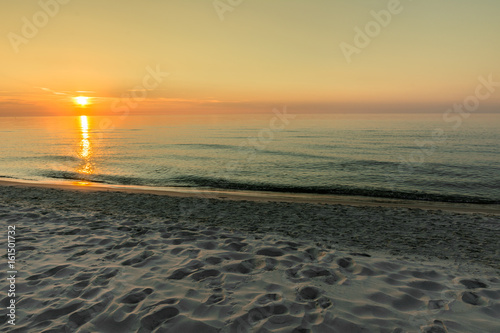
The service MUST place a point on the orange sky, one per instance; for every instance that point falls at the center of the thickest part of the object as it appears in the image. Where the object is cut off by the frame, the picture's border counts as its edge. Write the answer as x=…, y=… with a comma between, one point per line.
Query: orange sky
x=425, y=56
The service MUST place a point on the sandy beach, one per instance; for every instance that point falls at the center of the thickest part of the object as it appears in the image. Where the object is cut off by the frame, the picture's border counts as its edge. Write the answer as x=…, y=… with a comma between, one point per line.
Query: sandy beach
x=107, y=260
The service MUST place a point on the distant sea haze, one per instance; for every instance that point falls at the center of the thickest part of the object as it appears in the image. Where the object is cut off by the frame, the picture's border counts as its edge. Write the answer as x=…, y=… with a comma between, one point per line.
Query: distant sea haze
x=416, y=156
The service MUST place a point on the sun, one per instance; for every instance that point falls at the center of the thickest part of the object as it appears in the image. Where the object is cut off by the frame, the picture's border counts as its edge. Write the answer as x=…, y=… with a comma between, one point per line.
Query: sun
x=81, y=100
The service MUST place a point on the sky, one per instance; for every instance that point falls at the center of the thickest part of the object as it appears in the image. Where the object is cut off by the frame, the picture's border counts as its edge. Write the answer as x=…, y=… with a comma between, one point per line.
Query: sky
x=220, y=56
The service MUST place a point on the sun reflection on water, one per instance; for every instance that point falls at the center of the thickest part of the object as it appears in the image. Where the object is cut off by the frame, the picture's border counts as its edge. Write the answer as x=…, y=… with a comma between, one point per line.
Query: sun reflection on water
x=85, y=151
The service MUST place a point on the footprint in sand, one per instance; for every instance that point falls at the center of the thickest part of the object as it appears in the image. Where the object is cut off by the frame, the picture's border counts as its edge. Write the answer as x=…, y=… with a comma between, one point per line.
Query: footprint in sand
x=473, y=284
x=406, y=303
x=214, y=260
x=207, y=273
x=214, y=299
x=309, y=293
x=271, y=252
x=46, y=274
x=268, y=298
x=472, y=298
x=83, y=316
x=136, y=296
x=141, y=258
x=179, y=274
x=345, y=262
x=154, y=320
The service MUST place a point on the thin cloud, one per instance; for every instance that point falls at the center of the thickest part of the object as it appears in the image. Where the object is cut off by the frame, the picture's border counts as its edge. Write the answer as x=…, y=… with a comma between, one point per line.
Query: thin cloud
x=53, y=91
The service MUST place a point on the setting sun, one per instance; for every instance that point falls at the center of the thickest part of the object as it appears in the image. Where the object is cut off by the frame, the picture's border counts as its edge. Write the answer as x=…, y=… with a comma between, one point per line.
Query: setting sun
x=81, y=100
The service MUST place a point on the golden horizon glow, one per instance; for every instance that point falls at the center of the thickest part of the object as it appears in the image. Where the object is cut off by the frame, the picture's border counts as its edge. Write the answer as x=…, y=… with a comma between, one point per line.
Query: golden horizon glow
x=429, y=54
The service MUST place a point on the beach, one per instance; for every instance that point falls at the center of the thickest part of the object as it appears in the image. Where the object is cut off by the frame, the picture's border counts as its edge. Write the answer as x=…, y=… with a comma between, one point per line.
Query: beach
x=250, y=167
x=92, y=259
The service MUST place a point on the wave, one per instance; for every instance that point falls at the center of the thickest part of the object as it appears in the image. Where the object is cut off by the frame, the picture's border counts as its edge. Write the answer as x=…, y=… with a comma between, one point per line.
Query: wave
x=224, y=184
x=58, y=158
x=216, y=183
x=205, y=145
x=96, y=178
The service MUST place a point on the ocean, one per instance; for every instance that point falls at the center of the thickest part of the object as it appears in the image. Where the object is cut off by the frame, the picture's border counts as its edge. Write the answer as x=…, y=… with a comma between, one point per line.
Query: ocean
x=405, y=156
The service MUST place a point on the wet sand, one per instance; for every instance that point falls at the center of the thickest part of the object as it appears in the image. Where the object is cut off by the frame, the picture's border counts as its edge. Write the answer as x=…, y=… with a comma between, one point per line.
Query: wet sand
x=263, y=196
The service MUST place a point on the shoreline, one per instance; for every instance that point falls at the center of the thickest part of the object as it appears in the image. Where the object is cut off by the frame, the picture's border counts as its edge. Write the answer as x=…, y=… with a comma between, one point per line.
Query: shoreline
x=260, y=196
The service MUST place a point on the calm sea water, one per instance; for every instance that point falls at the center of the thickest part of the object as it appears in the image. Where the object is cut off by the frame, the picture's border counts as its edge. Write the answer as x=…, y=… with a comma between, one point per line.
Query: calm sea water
x=394, y=156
